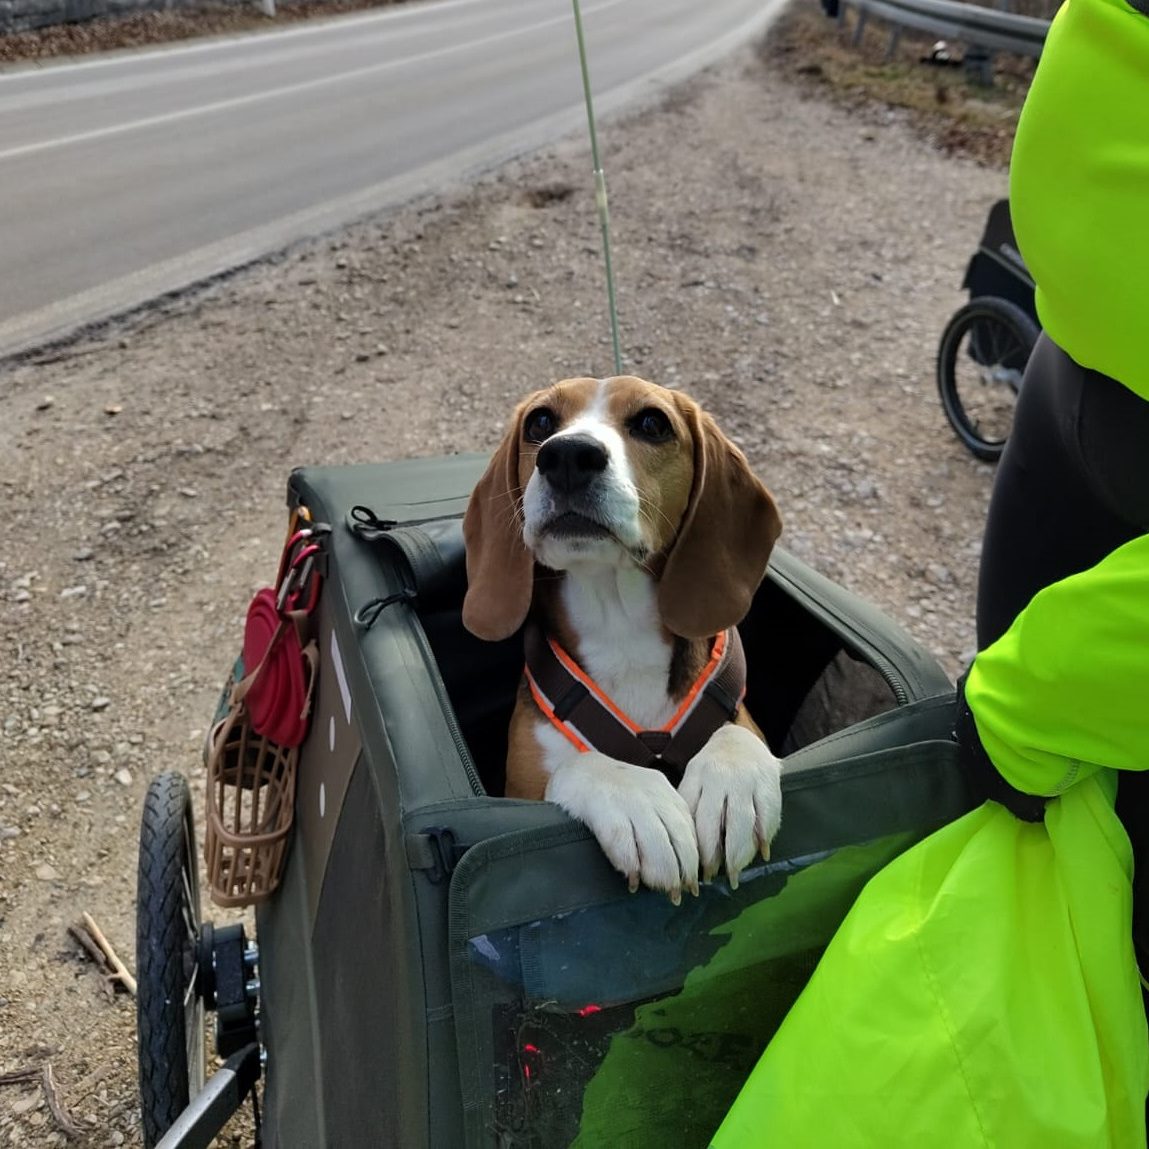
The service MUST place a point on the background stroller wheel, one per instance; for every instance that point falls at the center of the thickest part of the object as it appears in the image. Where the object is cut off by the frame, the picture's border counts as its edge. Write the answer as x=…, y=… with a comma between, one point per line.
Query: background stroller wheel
x=170, y=1009
x=981, y=360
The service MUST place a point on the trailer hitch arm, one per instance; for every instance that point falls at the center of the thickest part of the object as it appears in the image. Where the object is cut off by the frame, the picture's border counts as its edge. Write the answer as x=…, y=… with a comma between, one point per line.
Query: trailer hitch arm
x=221, y=1096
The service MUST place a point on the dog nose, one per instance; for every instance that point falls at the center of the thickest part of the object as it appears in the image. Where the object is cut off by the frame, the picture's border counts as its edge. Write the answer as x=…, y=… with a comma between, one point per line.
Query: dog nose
x=570, y=462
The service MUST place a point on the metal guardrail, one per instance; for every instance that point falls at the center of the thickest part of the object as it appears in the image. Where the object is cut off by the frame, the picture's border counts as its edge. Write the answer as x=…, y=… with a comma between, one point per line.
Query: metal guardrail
x=967, y=23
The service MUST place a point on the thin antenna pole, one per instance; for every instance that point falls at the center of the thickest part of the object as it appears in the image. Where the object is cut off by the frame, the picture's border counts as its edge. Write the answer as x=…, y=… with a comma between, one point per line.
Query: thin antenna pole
x=599, y=189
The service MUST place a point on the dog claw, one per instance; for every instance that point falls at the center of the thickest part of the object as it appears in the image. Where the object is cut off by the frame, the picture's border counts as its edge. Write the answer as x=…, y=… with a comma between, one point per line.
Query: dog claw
x=732, y=877
x=676, y=897
x=632, y=883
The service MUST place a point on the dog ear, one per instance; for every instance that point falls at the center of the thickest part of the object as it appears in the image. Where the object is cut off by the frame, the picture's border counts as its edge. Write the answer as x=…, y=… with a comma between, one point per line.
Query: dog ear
x=723, y=545
x=500, y=569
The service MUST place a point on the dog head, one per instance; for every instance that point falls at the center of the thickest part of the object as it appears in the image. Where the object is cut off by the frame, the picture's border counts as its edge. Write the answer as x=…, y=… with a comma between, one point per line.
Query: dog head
x=614, y=472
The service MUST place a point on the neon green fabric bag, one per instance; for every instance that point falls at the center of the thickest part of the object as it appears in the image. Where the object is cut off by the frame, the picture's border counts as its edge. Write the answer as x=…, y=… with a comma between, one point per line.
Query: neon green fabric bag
x=983, y=990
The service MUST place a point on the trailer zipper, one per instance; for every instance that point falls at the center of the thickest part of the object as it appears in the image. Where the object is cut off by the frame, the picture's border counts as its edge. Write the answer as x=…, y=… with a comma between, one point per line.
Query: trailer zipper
x=861, y=640
x=445, y=705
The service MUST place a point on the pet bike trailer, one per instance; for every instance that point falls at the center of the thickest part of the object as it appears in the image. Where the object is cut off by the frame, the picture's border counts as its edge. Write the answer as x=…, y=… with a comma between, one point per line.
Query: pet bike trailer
x=442, y=967
x=987, y=342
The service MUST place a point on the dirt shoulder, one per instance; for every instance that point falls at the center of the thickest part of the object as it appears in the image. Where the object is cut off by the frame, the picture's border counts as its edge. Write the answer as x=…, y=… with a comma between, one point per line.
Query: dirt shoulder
x=789, y=260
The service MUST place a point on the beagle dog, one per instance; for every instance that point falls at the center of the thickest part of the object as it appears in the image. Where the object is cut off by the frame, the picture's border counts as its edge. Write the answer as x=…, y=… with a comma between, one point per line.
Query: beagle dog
x=634, y=534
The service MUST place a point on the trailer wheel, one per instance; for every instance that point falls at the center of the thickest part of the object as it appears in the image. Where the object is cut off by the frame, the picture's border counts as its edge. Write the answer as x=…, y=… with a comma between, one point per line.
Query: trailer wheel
x=981, y=359
x=169, y=1008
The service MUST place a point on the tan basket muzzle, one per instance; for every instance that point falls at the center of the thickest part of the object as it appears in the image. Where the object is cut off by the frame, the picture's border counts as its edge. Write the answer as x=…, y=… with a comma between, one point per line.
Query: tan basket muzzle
x=250, y=808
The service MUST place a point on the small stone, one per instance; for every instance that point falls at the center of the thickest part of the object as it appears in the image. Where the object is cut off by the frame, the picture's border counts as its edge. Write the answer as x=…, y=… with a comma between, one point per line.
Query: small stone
x=101, y=703
x=46, y=402
x=939, y=575
x=47, y=873
x=123, y=776
x=82, y=556
x=74, y=592
x=9, y=832
x=83, y=795
x=189, y=492
x=21, y=596
x=113, y=409
x=27, y=1104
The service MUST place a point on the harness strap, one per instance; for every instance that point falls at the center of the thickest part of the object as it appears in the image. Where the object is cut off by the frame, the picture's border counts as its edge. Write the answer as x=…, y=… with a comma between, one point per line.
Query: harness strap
x=589, y=719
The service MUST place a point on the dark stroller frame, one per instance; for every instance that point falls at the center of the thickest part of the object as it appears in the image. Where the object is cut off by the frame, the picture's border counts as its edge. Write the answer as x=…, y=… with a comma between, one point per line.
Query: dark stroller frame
x=1000, y=321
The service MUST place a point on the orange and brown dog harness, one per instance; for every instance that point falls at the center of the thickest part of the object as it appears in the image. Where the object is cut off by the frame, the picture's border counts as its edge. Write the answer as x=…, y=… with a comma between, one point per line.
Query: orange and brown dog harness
x=584, y=714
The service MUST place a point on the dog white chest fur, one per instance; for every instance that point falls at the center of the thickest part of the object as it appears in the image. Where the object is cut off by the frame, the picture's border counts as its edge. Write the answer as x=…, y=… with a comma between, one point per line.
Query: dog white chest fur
x=617, y=512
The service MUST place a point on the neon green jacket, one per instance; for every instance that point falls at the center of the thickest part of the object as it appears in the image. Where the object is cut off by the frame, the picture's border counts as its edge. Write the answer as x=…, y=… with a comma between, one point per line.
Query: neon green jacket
x=1065, y=692
x=983, y=989
x=1079, y=187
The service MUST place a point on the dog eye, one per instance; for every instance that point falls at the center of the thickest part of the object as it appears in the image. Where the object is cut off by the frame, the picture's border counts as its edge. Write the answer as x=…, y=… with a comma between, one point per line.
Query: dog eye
x=539, y=425
x=652, y=425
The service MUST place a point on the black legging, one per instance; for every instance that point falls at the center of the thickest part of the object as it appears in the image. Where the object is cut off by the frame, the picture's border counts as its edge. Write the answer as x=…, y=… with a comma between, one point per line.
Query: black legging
x=1072, y=486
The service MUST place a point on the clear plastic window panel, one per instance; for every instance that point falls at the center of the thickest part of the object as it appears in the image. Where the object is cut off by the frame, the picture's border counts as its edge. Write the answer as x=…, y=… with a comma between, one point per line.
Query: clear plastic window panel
x=633, y=1024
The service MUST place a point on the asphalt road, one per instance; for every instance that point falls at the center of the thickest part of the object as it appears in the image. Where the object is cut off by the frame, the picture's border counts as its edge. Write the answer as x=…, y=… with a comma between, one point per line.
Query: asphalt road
x=127, y=176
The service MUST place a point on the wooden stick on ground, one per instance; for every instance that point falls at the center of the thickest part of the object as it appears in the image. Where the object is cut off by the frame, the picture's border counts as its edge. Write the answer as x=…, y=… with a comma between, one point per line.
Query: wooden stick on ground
x=85, y=1086
x=89, y=944
x=64, y=1120
x=16, y=1076
x=120, y=970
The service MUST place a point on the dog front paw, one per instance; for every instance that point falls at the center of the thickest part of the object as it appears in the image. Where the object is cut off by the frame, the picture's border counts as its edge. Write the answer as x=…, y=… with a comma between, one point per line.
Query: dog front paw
x=641, y=822
x=733, y=787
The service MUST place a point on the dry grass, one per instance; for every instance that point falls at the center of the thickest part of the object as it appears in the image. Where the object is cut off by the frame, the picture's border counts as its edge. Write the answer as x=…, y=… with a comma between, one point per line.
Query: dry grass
x=958, y=116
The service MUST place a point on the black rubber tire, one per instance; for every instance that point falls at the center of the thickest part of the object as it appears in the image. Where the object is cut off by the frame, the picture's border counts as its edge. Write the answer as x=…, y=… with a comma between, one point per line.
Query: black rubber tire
x=169, y=1009
x=1002, y=337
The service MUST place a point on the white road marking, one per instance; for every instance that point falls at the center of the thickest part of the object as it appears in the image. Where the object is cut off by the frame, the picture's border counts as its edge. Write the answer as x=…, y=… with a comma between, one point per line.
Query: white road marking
x=286, y=89
x=50, y=71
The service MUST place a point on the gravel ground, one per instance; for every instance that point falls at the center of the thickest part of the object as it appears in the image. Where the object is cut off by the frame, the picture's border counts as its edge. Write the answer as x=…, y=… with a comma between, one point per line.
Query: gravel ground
x=789, y=261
